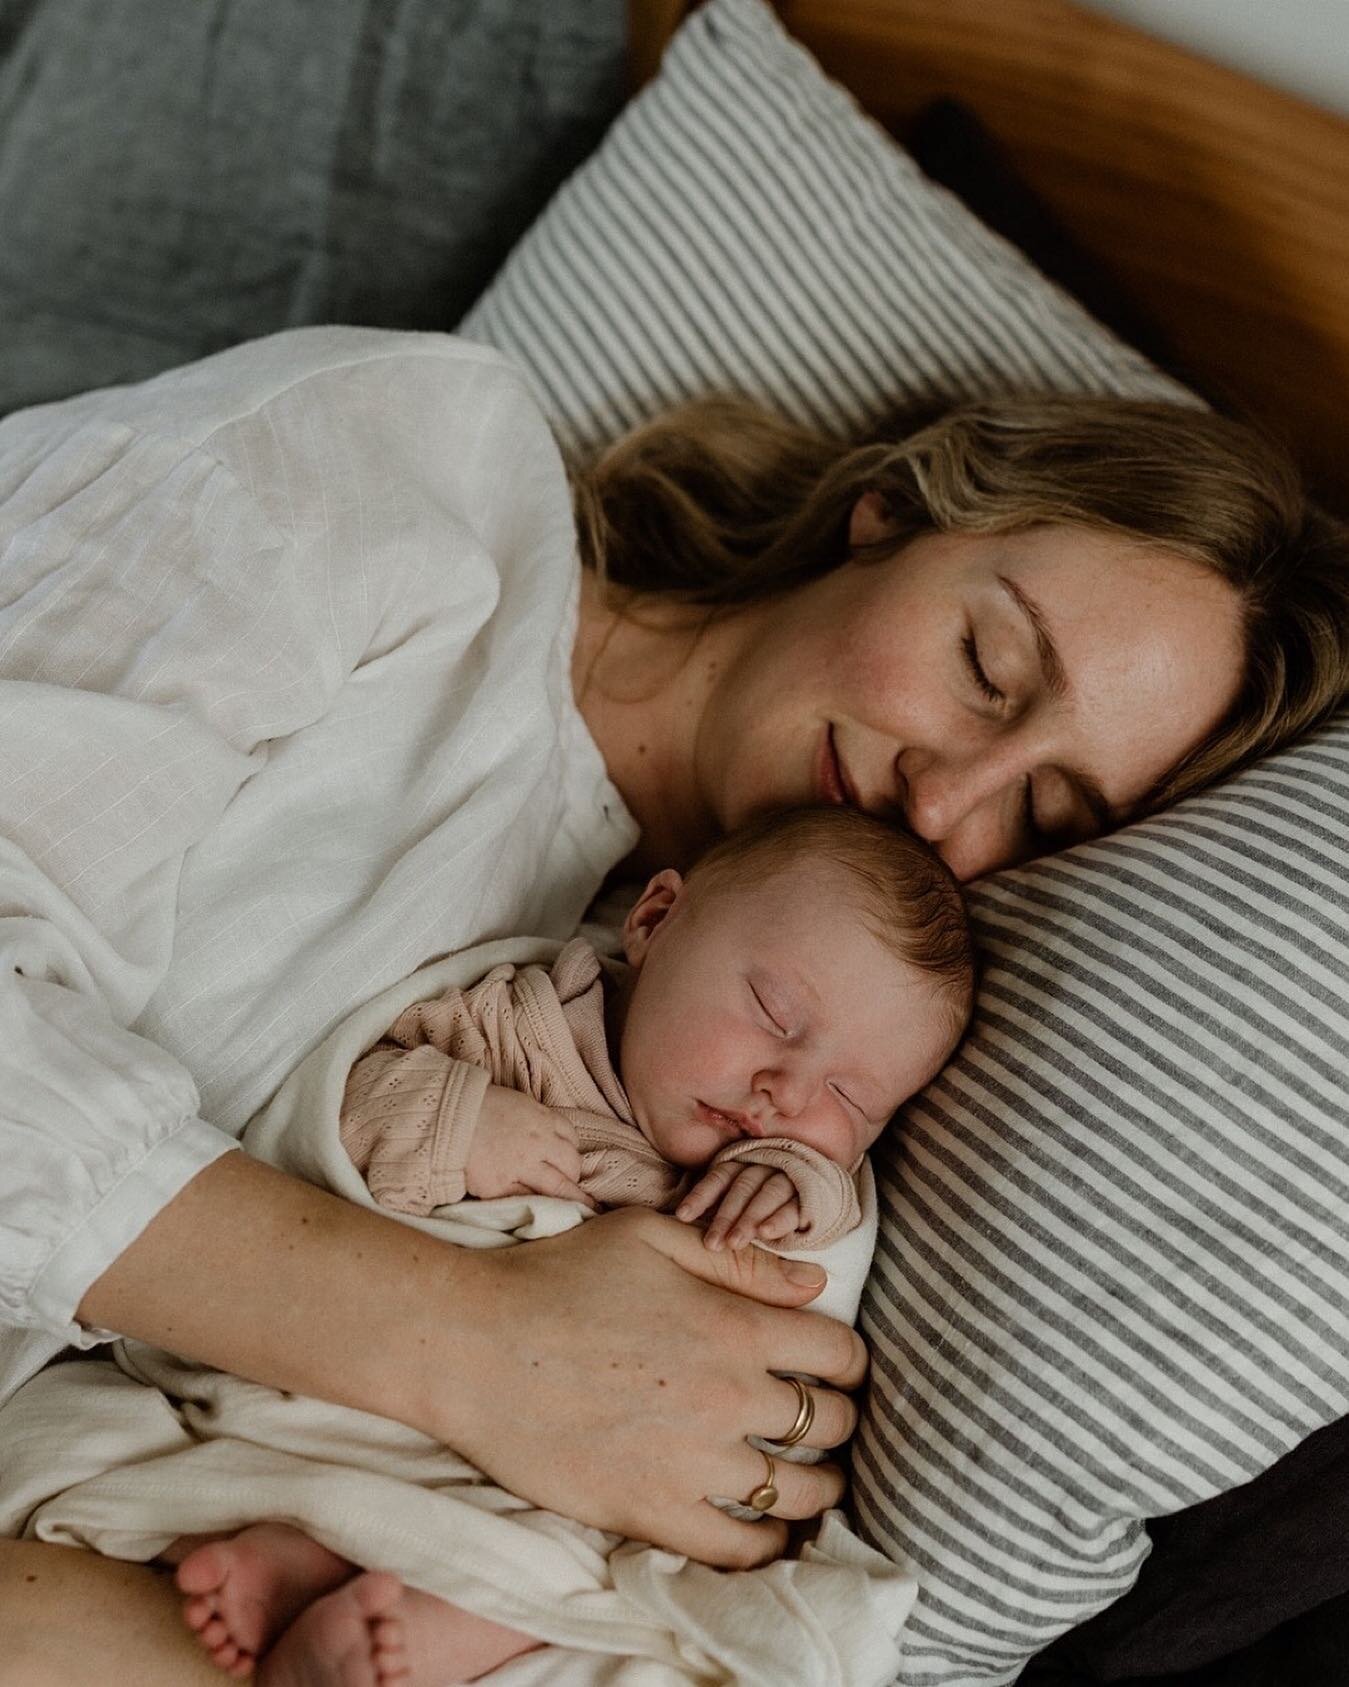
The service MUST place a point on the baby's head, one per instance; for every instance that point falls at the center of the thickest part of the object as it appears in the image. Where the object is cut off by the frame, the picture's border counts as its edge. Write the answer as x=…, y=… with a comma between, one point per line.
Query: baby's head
x=810, y=973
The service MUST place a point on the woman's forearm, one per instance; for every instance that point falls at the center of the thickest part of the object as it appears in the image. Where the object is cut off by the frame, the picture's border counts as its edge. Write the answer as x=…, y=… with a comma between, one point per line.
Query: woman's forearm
x=255, y=1272
x=611, y=1373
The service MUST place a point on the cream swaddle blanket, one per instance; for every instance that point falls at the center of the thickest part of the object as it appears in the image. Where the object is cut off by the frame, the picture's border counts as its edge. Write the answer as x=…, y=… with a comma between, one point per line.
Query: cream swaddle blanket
x=124, y=1454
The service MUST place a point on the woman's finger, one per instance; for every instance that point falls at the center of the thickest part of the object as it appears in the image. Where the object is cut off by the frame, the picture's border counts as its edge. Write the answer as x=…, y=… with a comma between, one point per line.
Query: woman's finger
x=716, y=1538
x=833, y=1418
x=804, y=1490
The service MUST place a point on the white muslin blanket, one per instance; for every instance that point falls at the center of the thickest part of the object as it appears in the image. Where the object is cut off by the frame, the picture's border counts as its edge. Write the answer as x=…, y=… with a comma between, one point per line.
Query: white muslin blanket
x=123, y=1454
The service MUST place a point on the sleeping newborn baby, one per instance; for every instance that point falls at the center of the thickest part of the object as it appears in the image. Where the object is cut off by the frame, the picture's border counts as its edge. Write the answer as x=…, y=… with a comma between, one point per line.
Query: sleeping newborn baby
x=777, y=1005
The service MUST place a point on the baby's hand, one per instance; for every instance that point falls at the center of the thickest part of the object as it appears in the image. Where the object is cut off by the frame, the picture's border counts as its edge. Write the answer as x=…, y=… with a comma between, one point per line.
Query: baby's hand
x=752, y=1202
x=521, y=1147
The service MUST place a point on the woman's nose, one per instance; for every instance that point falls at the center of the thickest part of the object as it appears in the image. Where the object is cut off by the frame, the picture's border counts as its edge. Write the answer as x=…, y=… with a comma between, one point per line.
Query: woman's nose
x=939, y=792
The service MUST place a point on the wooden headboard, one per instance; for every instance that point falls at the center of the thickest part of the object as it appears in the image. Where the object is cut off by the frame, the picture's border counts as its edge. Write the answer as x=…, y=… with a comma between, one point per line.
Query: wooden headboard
x=1219, y=206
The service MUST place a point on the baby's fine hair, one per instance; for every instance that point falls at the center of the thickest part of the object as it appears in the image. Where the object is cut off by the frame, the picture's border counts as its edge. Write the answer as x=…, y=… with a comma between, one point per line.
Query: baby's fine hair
x=907, y=896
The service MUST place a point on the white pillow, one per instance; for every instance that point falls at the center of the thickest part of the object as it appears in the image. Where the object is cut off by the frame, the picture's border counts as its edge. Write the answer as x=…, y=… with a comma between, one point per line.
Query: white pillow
x=1113, y=1275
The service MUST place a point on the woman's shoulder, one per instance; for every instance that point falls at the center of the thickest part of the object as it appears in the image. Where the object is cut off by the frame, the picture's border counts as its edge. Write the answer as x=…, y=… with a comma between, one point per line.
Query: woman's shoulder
x=358, y=373
x=360, y=378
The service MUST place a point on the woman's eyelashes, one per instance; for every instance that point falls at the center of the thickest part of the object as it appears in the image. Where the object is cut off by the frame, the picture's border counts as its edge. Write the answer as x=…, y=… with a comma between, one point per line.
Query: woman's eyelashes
x=978, y=673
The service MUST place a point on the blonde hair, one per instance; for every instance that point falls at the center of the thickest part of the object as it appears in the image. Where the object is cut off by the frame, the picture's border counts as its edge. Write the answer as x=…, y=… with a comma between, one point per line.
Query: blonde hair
x=904, y=893
x=719, y=502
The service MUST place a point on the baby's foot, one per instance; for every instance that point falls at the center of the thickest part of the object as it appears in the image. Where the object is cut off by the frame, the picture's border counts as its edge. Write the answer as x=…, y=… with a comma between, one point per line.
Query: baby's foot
x=375, y=1633
x=243, y=1592
x=424, y=1637
x=346, y=1639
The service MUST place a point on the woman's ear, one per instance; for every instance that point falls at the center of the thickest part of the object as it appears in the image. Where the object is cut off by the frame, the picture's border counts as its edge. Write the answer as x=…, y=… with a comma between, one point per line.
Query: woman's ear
x=648, y=912
x=869, y=521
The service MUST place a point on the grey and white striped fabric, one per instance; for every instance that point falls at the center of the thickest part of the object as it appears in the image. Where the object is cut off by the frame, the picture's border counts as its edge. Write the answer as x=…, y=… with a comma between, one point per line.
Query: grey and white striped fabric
x=1113, y=1274
x=745, y=227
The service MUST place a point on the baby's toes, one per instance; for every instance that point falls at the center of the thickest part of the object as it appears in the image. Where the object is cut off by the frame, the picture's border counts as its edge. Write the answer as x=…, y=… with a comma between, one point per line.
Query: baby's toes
x=388, y=1649
x=198, y=1612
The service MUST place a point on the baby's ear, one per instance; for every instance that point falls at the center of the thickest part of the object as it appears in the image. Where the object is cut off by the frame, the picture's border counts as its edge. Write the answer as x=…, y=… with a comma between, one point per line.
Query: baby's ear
x=648, y=912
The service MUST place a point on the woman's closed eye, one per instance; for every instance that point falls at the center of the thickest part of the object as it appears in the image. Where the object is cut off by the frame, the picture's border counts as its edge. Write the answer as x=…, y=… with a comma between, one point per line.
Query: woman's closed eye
x=978, y=673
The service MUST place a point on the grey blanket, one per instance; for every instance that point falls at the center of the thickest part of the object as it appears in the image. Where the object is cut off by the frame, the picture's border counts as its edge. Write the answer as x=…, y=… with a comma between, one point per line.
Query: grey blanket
x=179, y=175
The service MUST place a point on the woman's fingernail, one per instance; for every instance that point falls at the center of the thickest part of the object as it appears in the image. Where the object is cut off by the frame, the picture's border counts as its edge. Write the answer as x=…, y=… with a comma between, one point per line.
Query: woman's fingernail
x=808, y=1276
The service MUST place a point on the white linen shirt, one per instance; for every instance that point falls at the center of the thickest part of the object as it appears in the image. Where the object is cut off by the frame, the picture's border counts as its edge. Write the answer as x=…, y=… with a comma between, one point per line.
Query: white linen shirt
x=285, y=711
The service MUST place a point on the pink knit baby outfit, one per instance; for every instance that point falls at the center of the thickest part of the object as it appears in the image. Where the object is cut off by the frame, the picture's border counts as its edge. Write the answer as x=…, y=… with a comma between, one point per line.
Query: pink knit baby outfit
x=412, y=1102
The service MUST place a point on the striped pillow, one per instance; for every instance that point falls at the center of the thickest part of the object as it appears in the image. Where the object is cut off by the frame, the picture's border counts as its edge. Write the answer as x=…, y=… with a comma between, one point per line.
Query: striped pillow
x=744, y=227
x=1113, y=1276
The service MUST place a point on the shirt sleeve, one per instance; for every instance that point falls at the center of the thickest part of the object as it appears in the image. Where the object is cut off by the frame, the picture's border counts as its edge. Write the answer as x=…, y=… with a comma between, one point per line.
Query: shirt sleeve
x=825, y=1191
x=192, y=572
x=157, y=630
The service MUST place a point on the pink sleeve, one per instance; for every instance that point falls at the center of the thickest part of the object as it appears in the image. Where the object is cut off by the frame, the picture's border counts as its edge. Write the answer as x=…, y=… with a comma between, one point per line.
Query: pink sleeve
x=408, y=1118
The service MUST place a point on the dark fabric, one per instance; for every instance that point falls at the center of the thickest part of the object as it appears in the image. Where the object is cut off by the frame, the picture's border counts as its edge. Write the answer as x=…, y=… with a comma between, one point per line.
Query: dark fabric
x=177, y=175
x=1250, y=1588
x=1310, y=1651
x=953, y=147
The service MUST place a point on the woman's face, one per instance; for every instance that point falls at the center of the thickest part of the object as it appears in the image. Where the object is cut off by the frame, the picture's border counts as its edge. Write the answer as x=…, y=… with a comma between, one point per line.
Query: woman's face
x=1002, y=695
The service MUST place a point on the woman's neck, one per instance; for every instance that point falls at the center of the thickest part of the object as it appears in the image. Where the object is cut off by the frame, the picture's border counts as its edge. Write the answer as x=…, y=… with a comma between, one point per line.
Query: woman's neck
x=642, y=674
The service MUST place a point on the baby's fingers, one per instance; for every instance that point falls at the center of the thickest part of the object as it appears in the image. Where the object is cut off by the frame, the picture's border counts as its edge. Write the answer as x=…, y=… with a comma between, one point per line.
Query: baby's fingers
x=737, y=1198
x=786, y=1221
x=706, y=1192
x=552, y=1180
x=766, y=1202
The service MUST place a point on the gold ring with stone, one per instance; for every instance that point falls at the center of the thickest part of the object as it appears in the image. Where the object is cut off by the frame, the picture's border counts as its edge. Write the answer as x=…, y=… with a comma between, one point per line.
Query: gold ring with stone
x=764, y=1498
x=805, y=1415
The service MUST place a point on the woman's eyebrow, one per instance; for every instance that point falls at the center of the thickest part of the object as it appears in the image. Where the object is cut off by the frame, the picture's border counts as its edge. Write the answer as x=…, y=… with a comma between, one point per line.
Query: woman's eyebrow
x=1056, y=680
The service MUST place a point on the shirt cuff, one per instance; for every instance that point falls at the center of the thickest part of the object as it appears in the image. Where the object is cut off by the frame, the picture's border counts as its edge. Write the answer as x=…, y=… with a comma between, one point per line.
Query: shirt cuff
x=116, y=1221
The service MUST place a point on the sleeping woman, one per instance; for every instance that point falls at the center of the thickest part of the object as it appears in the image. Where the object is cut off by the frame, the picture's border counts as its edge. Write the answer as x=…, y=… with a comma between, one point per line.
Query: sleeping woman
x=305, y=684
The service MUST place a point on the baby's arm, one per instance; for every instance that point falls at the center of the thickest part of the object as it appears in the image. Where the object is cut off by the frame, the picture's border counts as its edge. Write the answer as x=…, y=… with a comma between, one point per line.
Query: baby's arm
x=772, y=1189
x=425, y=1129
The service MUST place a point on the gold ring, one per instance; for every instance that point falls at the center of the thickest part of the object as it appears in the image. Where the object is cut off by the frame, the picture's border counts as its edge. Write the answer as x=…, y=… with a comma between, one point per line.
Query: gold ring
x=805, y=1415
x=765, y=1497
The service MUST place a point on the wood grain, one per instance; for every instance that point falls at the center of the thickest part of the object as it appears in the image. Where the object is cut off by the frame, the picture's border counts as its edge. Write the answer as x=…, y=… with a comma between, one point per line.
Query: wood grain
x=1219, y=205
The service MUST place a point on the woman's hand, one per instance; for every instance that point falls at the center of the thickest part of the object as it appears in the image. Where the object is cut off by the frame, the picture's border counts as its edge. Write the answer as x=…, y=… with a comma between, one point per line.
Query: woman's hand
x=636, y=1364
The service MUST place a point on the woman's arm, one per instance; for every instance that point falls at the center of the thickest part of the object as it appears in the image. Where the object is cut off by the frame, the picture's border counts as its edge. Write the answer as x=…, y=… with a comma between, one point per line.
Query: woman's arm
x=633, y=1372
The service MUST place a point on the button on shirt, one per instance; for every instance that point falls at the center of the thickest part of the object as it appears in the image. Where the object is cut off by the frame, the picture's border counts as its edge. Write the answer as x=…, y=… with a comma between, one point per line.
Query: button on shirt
x=285, y=711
